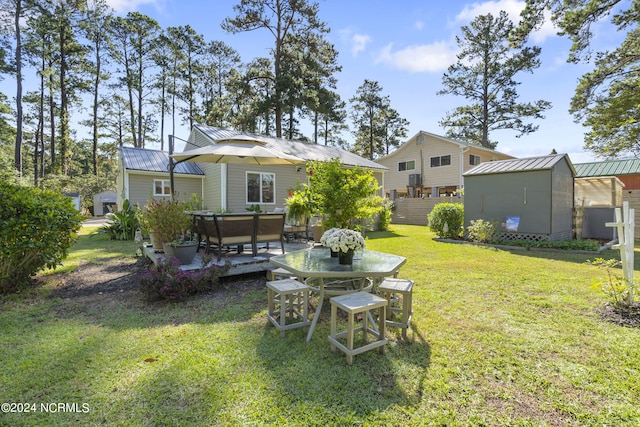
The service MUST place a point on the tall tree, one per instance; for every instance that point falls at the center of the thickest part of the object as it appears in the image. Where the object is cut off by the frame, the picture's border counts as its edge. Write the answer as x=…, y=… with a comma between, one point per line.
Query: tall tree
x=70, y=57
x=283, y=19
x=95, y=28
x=219, y=64
x=191, y=45
x=367, y=113
x=134, y=40
x=330, y=117
x=484, y=75
x=394, y=128
x=606, y=99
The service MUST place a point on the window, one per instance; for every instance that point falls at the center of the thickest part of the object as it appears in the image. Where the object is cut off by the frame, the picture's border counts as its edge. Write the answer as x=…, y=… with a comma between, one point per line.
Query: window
x=261, y=187
x=441, y=161
x=161, y=187
x=474, y=160
x=407, y=166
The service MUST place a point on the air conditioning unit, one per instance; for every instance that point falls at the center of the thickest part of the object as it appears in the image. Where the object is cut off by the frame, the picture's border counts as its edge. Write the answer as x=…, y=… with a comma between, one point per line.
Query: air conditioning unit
x=414, y=179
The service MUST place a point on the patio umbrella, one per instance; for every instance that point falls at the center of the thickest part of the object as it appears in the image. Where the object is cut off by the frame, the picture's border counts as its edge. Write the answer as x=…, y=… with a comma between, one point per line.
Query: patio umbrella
x=238, y=153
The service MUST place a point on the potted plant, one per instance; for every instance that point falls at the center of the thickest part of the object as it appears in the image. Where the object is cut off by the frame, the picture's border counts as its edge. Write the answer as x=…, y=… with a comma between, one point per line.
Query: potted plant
x=298, y=207
x=343, y=241
x=171, y=228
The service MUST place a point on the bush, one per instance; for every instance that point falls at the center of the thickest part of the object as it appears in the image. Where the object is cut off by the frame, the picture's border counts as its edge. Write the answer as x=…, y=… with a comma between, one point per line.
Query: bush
x=447, y=220
x=482, y=231
x=122, y=224
x=167, y=281
x=37, y=228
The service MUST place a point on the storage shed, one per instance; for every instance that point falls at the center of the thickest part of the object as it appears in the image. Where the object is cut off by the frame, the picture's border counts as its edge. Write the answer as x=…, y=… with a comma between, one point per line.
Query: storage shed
x=531, y=198
x=104, y=203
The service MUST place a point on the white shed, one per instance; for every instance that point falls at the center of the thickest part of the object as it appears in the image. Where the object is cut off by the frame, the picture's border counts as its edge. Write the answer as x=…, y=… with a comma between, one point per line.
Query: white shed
x=104, y=203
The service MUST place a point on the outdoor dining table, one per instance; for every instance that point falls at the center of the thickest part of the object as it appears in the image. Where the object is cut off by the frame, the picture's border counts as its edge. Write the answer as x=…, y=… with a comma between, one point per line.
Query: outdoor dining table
x=317, y=263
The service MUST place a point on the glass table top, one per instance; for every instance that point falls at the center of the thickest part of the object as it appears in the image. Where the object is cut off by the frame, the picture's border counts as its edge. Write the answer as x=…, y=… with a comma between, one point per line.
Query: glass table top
x=317, y=262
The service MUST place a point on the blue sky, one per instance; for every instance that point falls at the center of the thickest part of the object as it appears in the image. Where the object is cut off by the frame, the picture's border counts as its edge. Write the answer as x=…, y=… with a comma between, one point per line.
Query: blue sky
x=406, y=45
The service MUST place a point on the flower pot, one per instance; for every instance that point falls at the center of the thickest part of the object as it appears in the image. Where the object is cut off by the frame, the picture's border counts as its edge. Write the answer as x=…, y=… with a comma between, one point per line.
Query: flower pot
x=334, y=254
x=184, y=252
x=346, y=258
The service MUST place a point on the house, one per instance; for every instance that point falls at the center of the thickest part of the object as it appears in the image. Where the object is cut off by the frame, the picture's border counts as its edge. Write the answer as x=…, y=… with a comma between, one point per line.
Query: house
x=602, y=186
x=230, y=187
x=143, y=174
x=104, y=202
x=429, y=165
x=626, y=170
x=532, y=198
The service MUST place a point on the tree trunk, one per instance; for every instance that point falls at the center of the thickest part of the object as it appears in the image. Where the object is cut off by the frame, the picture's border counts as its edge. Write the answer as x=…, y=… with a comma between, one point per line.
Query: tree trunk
x=19, y=114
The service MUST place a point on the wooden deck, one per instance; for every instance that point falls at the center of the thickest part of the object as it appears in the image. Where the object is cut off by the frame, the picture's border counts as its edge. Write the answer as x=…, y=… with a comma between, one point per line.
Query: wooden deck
x=240, y=263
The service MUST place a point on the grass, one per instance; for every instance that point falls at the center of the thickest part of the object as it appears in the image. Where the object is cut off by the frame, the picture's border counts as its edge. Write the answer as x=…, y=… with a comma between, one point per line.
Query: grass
x=498, y=338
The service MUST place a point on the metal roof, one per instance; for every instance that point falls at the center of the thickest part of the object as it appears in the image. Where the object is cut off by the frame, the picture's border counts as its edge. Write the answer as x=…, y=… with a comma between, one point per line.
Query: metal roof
x=519, y=165
x=304, y=150
x=146, y=160
x=608, y=168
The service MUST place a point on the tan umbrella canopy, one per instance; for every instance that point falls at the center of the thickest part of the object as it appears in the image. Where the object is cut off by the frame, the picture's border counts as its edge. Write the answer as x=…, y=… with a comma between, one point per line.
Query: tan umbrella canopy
x=237, y=152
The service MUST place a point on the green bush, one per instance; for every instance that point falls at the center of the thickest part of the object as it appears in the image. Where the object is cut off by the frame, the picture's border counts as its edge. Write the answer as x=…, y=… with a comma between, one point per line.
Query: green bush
x=482, y=231
x=447, y=220
x=123, y=224
x=37, y=228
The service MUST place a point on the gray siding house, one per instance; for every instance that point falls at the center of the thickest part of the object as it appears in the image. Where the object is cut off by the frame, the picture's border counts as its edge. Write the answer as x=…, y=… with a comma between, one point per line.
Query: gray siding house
x=227, y=186
x=531, y=198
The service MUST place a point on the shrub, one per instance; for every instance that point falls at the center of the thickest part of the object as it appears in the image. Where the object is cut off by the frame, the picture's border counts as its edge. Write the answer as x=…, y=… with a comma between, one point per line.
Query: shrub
x=167, y=281
x=167, y=219
x=37, y=228
x=613, y=286
x=482, y=231
x=447, y=220
x=123, y=224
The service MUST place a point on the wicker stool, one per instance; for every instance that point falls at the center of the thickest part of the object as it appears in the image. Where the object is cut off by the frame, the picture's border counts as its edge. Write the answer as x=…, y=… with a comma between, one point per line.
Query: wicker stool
x=398, y=292
x=288, y=298
x=279, y=273
x=352, y=304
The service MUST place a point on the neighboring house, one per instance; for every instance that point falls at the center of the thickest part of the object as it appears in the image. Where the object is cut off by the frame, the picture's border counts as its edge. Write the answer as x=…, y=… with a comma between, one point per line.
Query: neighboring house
x=430, y=165
x=531, y=198
x=236, y=187
x=143, y=175
x=626, y=170
x=607, y=183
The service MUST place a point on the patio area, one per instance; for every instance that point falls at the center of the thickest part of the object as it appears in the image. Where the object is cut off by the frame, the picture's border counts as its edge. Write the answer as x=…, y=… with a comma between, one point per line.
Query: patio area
x=240, y=263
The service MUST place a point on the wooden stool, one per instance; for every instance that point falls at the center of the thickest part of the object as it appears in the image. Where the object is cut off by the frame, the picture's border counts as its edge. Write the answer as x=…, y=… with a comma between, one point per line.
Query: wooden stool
x=279, y=273
x=359, y=302
x=398, y=292
x=292, y=299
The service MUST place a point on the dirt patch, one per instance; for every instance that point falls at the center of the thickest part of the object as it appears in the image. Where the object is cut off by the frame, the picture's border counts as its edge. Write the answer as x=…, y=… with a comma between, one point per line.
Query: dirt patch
x=117, y=280
x=622, y=316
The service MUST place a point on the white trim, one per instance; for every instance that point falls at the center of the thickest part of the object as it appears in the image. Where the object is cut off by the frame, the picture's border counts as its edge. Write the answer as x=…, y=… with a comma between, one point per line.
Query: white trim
x=246, y=187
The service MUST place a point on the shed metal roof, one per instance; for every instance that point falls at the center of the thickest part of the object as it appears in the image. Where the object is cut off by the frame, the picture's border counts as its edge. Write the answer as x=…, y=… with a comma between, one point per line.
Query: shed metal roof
x=143, y=159
x=303, y=150
x=518, y=165
x=608, y=168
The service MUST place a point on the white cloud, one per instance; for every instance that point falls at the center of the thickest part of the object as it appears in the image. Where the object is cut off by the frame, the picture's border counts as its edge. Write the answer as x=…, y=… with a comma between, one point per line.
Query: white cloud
x=434, y=57
x=359, y=43
x=513, y=9
x=132, y=5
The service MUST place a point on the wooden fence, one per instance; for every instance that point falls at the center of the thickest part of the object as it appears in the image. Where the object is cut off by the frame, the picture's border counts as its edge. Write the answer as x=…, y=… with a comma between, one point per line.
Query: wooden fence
x=415, y=211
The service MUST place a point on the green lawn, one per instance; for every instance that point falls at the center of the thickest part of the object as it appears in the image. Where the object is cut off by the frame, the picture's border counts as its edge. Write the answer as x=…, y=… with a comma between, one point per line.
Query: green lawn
x=499, y=338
